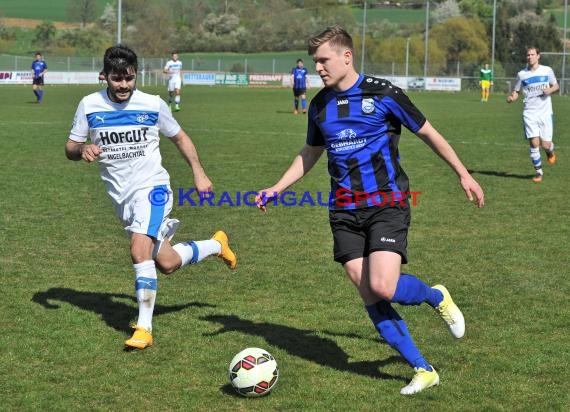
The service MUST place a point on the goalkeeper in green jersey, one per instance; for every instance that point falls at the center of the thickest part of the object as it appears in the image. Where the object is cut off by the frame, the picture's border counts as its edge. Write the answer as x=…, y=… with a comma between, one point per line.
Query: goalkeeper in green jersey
x=485, y=81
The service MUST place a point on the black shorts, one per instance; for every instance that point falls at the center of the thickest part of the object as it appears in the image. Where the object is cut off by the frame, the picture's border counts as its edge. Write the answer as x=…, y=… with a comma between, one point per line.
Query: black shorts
x=299, y=92
x=38, y=81
x=359, y=232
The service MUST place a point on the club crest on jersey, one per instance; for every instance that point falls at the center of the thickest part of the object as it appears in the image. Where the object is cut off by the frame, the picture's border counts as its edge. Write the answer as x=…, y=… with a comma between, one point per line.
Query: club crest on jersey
x=368, y=105
x=346, y=134
x=142, y=117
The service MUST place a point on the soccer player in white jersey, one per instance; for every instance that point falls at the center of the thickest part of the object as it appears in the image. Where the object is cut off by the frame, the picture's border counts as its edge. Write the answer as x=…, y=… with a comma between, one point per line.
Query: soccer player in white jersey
x=119, y=128
x=538, y=82
x=173, y=69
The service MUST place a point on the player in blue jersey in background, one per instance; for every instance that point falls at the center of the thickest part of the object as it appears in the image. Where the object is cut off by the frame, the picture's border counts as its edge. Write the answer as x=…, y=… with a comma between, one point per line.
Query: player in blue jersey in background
x=300, y=83
x=39, y=68
x=358, y=119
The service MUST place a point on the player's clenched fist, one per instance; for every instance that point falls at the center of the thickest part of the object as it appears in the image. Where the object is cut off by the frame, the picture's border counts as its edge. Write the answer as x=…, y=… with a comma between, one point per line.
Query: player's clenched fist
x=90, y=152
x=512, y=97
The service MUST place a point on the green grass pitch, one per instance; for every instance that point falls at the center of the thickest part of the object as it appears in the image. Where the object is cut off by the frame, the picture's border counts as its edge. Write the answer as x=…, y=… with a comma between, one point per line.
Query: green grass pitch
x=67, y=281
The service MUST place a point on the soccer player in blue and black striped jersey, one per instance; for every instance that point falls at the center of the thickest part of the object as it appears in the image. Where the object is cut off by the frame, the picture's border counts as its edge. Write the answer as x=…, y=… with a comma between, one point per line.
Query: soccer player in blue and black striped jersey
x=300, y=84
x=39, y=68
x=358, y=119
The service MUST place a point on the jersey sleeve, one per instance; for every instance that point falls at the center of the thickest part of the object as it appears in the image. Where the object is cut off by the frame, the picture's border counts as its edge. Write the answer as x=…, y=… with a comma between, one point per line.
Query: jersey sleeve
x=400, y=106
x=167, y=124
x=80, y=127
x=552, y=77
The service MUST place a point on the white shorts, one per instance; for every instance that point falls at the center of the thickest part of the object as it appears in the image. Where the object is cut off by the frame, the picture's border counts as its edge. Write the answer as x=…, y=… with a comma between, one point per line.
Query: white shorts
x=539, y=127
x=174, y=83
x=146, y=212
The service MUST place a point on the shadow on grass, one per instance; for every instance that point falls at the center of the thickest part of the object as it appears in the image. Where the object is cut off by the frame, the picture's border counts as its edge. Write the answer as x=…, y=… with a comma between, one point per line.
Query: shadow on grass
x=501, y=174
x=228, y=389
x=114, y=313
x=300, y=114
x=304, y=344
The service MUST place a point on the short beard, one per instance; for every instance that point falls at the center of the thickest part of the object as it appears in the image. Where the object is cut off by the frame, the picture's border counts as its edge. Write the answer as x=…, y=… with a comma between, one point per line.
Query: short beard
x=112, y=94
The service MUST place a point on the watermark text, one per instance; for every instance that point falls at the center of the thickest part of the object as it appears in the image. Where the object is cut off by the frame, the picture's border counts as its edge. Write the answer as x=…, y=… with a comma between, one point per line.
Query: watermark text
x=342, y=198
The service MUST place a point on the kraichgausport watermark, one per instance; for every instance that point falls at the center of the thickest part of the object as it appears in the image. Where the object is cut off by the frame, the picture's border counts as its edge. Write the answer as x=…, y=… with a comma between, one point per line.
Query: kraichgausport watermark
x=343, y=198
x=159, y=196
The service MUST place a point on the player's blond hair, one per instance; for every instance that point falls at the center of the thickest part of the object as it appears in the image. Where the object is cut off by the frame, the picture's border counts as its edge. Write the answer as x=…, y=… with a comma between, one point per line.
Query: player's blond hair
x=336, y=36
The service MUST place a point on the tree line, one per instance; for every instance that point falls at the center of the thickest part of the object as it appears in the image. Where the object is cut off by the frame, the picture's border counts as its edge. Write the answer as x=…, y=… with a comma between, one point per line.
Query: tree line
x=458, y=30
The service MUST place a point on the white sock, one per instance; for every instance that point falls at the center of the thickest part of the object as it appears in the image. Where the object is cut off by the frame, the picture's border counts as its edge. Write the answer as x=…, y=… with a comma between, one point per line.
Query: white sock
x=177, y=100
x=535, y=158
x=145, y=286
x=194, y=251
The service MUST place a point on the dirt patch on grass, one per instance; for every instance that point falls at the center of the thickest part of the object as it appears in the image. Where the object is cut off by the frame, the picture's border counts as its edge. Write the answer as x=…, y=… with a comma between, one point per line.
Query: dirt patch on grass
x=32, y=23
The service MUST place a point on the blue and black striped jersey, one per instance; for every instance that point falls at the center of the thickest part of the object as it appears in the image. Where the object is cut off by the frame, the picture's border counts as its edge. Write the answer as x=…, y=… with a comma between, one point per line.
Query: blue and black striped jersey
x=299, y=77
x=360, y=129
x=38, y=66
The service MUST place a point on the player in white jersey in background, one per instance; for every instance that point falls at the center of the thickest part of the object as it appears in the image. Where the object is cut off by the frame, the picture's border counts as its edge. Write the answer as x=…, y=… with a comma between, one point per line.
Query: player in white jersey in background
x=173, y=69
x=538, y=82
x=119, y=128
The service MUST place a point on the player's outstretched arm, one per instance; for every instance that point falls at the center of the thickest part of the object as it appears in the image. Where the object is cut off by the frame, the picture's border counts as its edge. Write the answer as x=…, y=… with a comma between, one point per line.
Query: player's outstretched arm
x=81, y=151
x=443, y=149
x=301, y=165
x=186, y=147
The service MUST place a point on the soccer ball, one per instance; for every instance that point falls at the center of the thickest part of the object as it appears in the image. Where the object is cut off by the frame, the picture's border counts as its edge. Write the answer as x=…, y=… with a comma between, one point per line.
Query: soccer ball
x=253, y=372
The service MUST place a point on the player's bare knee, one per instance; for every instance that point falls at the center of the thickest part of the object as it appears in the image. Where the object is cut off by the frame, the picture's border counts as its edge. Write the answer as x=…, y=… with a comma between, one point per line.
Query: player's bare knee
x=167, y=266
x=383, y=290
x=138, y=257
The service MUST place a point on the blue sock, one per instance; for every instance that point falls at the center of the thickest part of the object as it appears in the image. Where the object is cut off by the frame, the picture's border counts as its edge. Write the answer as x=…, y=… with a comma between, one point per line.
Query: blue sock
x=394, y=331
x=37, y=94
x=412, y=291
x=303, y=104
x=40, y=95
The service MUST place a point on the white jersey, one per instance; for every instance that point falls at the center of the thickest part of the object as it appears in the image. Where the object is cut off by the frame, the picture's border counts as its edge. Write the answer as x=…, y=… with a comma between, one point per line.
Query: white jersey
x=128, y=135
x=174, y=68
x=533, y=84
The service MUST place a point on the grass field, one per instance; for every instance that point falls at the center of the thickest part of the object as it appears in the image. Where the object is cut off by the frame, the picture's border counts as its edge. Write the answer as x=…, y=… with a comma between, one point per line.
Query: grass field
x=55, y=10
x=68, y=293
x=392, y=15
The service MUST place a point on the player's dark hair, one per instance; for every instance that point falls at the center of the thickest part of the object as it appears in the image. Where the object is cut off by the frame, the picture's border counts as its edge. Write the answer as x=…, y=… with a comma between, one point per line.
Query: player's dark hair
x=336, y=36
x=119, y=59
x=300, y=61
x=533, y=48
